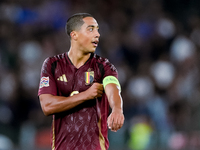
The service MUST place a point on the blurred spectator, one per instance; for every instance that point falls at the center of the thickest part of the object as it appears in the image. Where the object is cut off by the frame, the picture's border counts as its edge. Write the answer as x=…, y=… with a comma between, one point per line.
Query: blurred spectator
x=5, y=143
x=140, y=88
x=140, y=133
x=163, y=73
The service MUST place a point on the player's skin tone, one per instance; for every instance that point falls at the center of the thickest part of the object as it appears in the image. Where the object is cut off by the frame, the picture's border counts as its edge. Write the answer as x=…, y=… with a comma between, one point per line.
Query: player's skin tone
x=83, y=42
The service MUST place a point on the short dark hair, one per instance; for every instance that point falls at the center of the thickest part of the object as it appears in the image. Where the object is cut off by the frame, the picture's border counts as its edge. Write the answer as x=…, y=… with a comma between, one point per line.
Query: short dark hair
x=75, y=22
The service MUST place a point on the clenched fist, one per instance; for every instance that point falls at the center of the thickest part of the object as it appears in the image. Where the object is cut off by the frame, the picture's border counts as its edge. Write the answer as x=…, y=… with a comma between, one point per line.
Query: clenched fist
x=96, y=90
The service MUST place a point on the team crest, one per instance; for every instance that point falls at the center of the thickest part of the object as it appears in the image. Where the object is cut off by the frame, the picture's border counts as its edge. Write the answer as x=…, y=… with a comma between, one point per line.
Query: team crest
x=89, y=77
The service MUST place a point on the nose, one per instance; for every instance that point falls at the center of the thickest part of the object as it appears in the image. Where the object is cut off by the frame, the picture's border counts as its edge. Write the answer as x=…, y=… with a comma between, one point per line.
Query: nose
x=97, y=34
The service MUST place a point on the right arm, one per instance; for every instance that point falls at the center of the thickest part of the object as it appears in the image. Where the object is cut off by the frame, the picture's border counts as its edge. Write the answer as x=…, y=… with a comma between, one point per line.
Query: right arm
x=54, y=104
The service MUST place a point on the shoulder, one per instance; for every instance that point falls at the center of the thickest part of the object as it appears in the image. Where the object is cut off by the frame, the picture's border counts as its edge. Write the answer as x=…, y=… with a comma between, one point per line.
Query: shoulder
x=100, y=59
x=55, y=58
x=53, y=61
x=105, y=62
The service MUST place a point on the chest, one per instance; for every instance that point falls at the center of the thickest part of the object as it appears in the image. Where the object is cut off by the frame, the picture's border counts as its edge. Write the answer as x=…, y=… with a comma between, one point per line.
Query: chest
x=70, y=79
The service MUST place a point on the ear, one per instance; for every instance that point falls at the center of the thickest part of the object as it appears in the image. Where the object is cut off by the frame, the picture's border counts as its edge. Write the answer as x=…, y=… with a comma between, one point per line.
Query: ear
x=74, y=35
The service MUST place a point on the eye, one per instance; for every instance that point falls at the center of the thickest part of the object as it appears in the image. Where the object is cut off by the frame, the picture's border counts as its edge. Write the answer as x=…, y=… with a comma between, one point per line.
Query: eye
x=90, y=29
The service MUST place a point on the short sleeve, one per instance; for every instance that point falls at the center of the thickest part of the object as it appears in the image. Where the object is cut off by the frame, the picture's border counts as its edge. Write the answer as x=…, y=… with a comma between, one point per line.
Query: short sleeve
x=47, y=83
x=109, y=69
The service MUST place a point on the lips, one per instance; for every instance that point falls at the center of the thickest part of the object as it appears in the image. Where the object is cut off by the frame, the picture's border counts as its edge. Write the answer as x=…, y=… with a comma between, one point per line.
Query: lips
x=95, y=43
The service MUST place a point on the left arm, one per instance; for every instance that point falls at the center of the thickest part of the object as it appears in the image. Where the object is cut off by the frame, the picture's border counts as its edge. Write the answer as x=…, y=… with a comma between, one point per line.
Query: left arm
x=116, y=118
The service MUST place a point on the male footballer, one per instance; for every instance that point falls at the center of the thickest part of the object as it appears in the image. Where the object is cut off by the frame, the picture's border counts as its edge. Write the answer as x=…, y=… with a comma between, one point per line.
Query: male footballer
x=78, y=87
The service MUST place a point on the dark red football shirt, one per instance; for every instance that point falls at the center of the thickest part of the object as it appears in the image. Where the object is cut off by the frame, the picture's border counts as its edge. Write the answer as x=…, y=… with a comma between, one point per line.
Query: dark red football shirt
x=85, y=126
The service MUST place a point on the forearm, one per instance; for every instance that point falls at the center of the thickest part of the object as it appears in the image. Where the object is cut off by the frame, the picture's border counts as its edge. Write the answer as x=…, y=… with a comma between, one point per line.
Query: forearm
x=114, y=97
x=54, y=104
x=116, y=118
x=115, y=102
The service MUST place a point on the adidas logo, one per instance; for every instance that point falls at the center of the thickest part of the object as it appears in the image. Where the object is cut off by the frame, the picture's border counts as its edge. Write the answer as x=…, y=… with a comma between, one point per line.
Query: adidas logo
x=62, y=78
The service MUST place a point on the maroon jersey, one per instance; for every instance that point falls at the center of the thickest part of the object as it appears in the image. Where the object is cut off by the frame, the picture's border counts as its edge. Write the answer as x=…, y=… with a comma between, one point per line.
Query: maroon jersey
x=85, y=126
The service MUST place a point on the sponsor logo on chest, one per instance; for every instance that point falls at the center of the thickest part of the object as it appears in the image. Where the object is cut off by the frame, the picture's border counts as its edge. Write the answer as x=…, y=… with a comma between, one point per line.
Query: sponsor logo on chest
x=62, y=78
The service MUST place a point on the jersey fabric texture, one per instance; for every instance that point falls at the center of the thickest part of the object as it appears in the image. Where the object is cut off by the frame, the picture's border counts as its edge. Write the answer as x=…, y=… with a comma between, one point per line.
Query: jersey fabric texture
x=85, y=126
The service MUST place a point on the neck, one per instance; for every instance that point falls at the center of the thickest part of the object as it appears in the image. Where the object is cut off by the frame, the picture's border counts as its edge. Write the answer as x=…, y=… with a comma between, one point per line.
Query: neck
x=78, y=58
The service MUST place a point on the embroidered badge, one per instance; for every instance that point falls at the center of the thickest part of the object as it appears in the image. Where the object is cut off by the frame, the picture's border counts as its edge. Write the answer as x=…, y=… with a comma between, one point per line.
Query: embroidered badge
x=89, y=77
x=44, y=82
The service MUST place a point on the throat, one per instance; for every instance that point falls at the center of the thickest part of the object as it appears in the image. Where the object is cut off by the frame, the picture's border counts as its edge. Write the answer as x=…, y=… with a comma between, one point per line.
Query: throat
x=78, y=65
x=78, y=61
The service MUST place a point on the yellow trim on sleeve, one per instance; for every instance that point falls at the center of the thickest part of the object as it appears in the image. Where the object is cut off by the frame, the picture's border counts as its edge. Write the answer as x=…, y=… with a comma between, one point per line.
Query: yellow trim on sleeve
x=111, y=79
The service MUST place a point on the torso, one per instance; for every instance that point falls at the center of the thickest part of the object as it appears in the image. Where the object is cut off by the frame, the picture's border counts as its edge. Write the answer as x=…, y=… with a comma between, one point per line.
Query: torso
x=82, y=127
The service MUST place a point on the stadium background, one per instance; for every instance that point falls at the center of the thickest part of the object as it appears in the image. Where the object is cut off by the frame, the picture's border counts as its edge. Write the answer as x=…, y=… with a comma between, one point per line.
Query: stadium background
x=154, y=44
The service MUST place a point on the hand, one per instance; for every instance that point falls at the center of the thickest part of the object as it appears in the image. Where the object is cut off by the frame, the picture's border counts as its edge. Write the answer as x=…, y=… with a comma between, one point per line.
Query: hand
x=96, y=90
x=115, y=120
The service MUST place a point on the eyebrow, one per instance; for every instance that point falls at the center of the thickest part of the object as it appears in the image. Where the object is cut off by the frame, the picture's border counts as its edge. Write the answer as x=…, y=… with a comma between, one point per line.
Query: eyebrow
x=92, y=26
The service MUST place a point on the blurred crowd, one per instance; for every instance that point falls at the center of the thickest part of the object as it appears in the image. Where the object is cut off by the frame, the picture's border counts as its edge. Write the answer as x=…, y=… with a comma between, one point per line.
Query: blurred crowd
x=154, y=44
